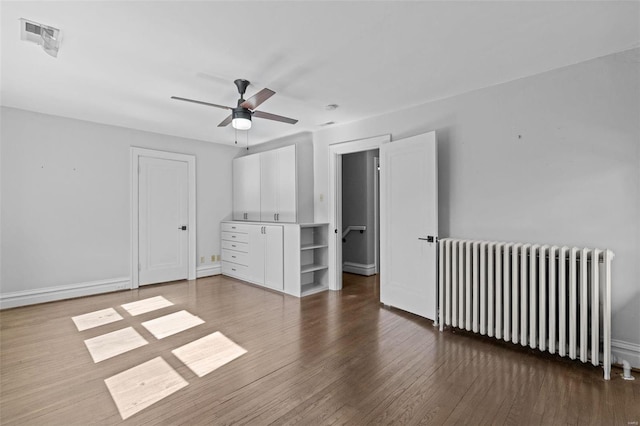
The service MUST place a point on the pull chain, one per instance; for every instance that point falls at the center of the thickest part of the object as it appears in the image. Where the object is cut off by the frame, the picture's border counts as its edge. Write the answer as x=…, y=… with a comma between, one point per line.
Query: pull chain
x=236, y=130
x=247, y=132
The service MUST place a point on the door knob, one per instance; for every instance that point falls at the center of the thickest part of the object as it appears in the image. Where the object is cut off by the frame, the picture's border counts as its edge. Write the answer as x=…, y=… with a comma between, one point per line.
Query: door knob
x=182, y=228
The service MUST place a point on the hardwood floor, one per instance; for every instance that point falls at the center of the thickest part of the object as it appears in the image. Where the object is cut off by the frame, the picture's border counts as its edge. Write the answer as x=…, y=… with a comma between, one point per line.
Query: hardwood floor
x=330, y=358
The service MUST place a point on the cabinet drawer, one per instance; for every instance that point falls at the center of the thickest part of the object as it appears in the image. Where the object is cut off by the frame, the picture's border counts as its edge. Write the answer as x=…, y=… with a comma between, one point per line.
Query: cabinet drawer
x=235, y=257
x=236, y=271
x=235, y=236
x=235, y=227
x=235, y=245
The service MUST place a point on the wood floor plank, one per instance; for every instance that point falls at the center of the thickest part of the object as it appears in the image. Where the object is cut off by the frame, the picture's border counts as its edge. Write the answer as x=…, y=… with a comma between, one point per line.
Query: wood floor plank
x=330, y=358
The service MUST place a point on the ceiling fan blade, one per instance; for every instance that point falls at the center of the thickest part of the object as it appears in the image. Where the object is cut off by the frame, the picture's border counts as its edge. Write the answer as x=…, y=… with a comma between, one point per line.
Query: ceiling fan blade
x=274, y=117
x=226, y=121
x=200, y=102
x=258, y=98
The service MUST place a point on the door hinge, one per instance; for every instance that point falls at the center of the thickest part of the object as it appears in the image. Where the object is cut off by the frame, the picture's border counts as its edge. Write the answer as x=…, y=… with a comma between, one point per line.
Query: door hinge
x=139, y=267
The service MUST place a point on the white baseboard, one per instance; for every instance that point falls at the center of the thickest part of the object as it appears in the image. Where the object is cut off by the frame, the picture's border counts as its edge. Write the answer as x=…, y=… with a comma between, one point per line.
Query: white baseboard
x=208, y=270
x=49, y=294
x=625, y=350
x=359, y=268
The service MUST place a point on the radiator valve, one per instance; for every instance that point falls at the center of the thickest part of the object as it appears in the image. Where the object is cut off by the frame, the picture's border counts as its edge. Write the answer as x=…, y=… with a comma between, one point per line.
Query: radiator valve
x=626, y=370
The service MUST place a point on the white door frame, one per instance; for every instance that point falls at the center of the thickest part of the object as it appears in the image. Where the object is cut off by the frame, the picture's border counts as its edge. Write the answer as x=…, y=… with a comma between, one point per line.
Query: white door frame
x=335, y=199
x=136, y=153
x=376, y=212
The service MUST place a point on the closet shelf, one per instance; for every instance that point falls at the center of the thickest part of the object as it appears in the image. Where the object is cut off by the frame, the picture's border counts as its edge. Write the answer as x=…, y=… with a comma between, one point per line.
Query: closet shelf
x=312, y=288
x=310, y=268
x=312, y=246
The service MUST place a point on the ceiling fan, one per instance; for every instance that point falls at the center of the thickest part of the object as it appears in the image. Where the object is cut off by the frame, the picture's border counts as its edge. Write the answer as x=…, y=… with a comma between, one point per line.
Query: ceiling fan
x=240, y=117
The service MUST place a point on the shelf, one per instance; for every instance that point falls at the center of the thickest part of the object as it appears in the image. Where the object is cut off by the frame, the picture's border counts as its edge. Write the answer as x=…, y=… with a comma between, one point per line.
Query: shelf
x=313, y=246
x=310, y=268
x=312, y=225
x=312, y=288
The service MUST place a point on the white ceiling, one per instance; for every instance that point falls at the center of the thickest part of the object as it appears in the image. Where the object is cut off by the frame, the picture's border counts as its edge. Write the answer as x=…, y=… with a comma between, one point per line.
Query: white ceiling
x=120, y=62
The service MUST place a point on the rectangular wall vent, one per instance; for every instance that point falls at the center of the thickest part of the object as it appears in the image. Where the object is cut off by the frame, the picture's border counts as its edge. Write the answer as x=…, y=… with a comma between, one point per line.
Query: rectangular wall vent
x=42, y=35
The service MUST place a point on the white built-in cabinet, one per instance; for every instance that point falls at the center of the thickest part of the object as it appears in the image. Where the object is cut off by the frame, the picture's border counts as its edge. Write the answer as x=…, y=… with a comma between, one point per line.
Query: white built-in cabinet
x=292, y=258
x=274, y=186
x=270, y=241
x=254, y=253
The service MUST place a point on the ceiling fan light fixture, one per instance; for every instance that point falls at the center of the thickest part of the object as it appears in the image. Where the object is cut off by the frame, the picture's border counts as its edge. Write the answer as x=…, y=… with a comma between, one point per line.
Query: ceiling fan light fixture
x=241, y=119
x=241, y=123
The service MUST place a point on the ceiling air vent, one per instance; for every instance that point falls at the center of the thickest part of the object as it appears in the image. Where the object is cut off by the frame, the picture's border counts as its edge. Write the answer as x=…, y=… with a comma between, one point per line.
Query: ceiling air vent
x=42, y=35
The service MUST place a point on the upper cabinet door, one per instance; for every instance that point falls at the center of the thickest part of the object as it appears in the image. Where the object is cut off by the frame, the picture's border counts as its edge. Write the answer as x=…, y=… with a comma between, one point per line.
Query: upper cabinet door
x=246, y=188
x=269, y=187
x=287, y=185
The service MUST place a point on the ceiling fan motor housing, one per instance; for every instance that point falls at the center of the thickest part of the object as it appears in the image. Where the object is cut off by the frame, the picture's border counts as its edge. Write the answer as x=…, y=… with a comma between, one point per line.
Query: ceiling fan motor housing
x=241, y=113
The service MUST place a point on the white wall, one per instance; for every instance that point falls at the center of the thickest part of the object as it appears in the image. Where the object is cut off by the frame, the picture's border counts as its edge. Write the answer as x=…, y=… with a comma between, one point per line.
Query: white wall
x=553, y=158
x=66, y=198
x=302, y=140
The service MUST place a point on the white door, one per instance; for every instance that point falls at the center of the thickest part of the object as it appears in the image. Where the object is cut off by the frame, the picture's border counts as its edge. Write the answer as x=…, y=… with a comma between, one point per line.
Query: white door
x=274, y=261
x=255, y=267
x=163, y=220
x=408, y=221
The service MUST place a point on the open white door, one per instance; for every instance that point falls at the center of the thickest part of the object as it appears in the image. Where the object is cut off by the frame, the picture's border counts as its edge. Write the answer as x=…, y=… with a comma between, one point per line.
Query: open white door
x=409, y=224
x=163, y=220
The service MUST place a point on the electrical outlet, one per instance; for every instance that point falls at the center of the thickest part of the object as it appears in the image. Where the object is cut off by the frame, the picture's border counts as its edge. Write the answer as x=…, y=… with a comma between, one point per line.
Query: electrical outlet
x=201, y=259
x=218, y=257
x=213, y=257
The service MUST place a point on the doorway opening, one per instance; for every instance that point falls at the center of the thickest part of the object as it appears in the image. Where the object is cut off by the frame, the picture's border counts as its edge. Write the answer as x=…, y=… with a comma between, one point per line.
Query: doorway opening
x=360, y=213
x=337, y=153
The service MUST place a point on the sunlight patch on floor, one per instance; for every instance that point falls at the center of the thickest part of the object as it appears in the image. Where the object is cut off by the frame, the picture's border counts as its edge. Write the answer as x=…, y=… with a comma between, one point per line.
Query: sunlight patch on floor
x=115, y=343
x=146, y=305
x=139, y=387
x=171, y=324
x=143, y=385
x=208, y=353
x=96, y=319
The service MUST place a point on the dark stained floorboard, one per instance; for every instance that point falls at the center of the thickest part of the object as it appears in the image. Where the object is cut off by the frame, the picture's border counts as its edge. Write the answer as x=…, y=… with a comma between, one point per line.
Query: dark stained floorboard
x=333, y=358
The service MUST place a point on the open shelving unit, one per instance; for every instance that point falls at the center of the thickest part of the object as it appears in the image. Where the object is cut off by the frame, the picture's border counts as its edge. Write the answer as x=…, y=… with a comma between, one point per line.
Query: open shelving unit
x=314, y=258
